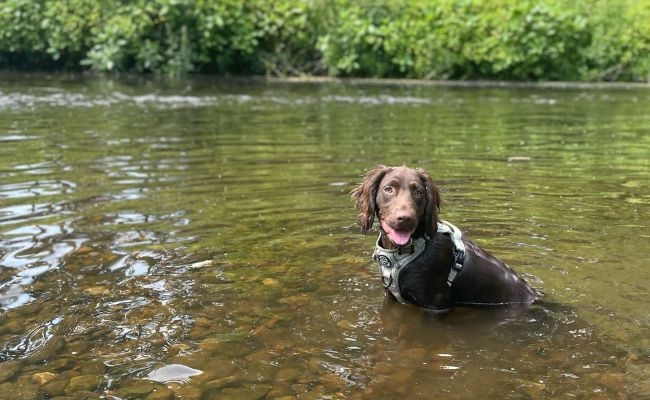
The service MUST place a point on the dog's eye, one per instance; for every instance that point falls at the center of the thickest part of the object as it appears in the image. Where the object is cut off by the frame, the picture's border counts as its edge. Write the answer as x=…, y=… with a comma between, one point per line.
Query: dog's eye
x=388, y=189
x=418, y=193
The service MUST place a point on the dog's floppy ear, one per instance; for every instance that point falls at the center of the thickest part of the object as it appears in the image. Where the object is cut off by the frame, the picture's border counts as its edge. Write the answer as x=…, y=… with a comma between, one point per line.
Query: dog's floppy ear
x=364, y=196
x=433, y=203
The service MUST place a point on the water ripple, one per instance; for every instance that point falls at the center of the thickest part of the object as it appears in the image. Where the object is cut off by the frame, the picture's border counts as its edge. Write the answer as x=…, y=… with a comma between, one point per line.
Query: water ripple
x=43, y=187
x=16, y=101
x=31, y=251
x=35, y=340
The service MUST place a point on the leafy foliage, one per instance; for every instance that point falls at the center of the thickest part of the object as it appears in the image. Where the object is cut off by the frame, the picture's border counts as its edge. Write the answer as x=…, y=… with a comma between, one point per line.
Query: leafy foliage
x=440, y=39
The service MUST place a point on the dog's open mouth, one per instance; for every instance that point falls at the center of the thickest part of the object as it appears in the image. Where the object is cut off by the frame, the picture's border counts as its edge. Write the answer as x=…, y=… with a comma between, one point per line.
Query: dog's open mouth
x=397, y=236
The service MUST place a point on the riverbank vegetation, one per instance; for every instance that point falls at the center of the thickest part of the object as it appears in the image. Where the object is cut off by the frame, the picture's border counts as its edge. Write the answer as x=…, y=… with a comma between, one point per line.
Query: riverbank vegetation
x=582, y=40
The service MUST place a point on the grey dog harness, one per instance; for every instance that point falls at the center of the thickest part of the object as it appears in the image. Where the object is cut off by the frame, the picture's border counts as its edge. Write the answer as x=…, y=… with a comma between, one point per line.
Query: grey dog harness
x=392, y=262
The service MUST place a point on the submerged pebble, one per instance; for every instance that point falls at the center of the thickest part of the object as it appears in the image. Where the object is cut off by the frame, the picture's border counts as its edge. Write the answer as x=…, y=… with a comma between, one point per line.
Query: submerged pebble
x=173, y=373
x=295, y=300
x=252, y=392
x=270, y=282
x=138, y=389
x=160, y=393
x=55, y=387
x=186, y=392
x=8, y=370
x=43, y=377
x=82, y=383
x=513, y=159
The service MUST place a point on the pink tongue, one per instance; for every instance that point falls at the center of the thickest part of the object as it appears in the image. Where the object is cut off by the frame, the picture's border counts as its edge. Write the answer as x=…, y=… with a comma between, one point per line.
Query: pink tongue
x=400, y=238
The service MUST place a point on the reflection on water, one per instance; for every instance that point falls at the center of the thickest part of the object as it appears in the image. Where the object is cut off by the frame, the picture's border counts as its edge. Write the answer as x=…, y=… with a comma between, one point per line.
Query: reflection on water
x=198, y=241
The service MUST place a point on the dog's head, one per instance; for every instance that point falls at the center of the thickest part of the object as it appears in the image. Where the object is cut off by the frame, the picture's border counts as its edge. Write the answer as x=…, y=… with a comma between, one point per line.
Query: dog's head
x=405, y=201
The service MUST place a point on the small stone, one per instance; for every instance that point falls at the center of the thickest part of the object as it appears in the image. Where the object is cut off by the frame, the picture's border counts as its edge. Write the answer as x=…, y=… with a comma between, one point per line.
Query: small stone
x=270, y=282
x=8, y=370
x=415, y=353
x=221, y=382
x=136, y=390
x=513, y=159
x=281, y=392
x=200, y=264
x=84, y=250
x=56, y=386
x=259, y=357
x=287, y=374
x=203, y=322
x=43, y=377
x=160, y=393
x=313, y=394
x=263, y=328
x=297, y=300
x=185, y=392
x=345, y=324
x=534, y=389
x=256, y=392
x=97, y=290
x=177, y=348
x=82, y=383
x=87, y=395
x=299, y=388
x=92, y=367
x=332, y=379
x=173, y=372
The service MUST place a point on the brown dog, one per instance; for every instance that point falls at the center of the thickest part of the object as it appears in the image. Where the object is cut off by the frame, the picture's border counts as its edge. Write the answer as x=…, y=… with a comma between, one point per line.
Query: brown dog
x=425, y=261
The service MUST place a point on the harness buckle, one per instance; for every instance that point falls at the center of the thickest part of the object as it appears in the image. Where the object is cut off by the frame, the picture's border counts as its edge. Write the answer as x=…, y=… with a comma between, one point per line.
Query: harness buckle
x=383, y=281
x=459, y=254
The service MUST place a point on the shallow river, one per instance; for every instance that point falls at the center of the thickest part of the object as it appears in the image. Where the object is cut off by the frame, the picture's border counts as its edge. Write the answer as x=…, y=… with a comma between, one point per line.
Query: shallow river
x=197, y=240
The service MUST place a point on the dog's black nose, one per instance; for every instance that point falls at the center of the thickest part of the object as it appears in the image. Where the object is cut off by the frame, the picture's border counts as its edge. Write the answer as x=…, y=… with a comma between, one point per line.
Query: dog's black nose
x=405, y=218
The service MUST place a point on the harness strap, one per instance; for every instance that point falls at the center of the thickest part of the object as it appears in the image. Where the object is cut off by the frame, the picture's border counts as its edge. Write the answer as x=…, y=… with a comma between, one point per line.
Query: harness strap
x=391, y=262
x=459, y=248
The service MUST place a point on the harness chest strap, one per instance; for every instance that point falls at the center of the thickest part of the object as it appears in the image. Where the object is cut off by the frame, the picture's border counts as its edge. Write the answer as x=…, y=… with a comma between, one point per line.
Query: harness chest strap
x=459, y=249
x=391, y=262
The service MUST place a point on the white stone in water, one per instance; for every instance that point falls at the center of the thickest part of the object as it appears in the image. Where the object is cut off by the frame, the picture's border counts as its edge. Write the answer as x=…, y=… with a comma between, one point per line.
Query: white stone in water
x=173, y=373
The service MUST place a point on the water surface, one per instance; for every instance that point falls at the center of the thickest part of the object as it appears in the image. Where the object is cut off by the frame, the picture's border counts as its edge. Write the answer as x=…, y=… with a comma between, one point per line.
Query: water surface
x=197, y=240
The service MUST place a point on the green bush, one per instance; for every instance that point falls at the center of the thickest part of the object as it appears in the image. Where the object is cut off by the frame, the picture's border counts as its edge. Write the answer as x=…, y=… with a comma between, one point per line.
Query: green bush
x=530, y=41
x=22, y=37
x=427, y=39
x=620, y=46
